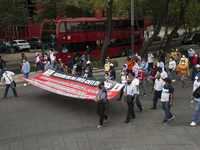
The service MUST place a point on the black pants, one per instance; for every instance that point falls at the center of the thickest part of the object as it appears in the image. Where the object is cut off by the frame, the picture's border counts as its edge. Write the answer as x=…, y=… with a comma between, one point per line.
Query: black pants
x=151, y=65
x=153, y=83
x=100, y=112
x=130, y=110
x=157, y=95
x=121, y=93
x=191, y=61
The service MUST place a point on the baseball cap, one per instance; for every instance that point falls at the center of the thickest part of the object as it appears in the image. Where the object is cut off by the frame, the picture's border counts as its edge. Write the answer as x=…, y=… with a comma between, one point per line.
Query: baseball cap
x=101, y=83
x=69, y=56
x=88, y=62
x=5, y=69
x=111, y=64
x=197, y=65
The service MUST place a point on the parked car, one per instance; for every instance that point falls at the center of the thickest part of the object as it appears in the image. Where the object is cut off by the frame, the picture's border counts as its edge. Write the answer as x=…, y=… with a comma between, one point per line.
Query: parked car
x=35, y=42
x=3, y=47
x=191, y=38
x=19, y=45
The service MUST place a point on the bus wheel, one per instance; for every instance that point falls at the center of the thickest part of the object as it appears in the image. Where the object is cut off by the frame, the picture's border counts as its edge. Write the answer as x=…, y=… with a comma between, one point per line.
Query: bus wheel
x=122, y=52
x=76, y=57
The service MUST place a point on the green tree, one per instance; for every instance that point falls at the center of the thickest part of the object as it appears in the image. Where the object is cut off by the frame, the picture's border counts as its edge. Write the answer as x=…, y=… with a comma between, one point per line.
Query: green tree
x=13, y=13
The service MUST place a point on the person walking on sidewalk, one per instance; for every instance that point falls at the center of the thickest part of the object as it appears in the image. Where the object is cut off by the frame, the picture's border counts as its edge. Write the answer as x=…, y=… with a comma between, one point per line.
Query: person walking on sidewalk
x=167, y=100
x=101, y=99
x=173, y=54
x=135, y=82
x=191, y=54
x=183, y=68
x=162, y=56
x=172, y=68
x=25, y=69
x=142, y=79
x=153, y=75
x=195, y=71
x=150, y=59
x=178, y=55
x=163, y=74
x=2, y=66
x=130, y=93
x=90, y=67
x=8, y=78
x=157, y=90
x=160, y=64
x=38, y=62
x=21, y=59
x=52, y=57
x=197, y=99
x=88, y=52
x=123, y=78
x=107, y=65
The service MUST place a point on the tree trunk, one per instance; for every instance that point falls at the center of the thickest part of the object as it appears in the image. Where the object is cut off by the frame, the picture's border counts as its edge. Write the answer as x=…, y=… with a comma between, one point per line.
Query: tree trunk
x=108, y=33
x=150, y=41
x=174, y=31
x=166, y=31
x=137, y=24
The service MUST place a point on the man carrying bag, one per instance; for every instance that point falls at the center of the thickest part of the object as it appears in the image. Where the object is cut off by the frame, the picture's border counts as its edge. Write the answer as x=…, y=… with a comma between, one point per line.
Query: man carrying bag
x=8, y=78
x=130, y=95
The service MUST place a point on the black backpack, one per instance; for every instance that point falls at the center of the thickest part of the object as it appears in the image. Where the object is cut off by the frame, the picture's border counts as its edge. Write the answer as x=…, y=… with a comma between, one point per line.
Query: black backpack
x=196, y=93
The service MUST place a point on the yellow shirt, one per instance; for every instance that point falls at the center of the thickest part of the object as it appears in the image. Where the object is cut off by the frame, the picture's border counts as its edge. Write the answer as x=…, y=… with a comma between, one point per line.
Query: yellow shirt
x=186, y=61
x=183, y=69
x=107, y=66
x=173, y=54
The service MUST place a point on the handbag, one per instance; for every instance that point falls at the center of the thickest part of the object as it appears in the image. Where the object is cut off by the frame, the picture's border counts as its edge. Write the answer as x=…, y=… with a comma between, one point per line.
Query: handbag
x=107, y=104
x=12, y=83
x=128, y=98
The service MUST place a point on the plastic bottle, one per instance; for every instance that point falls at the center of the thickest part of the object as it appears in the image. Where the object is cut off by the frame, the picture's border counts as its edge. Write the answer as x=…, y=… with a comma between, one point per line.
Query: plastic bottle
x=192, y=103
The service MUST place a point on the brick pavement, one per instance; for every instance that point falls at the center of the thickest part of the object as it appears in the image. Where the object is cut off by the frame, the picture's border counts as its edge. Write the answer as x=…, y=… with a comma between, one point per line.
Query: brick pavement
x=40, y=120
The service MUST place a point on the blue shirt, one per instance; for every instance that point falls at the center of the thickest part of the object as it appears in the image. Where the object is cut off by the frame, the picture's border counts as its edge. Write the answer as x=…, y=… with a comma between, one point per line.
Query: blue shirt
x=70, y=64
x=102, y=94
x=26, y=67
x=195, y=86
x=167, y=90
x=144, y=65
x=61, y=69
x=162, y=65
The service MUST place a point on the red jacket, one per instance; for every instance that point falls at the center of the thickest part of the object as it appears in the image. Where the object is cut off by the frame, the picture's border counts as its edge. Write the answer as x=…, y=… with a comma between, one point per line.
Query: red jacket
x=141, y=75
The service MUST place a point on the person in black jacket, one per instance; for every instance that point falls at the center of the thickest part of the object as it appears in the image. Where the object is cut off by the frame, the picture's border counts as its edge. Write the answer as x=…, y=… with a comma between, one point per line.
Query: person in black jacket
x=112, y=73
x=88, y=52
x=185, y=52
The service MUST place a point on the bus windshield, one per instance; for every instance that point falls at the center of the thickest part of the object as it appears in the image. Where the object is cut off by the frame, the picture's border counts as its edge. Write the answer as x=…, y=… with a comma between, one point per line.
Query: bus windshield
x=49, y=39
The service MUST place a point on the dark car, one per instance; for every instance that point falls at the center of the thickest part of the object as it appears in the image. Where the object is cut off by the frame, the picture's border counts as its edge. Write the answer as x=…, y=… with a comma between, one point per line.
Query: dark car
x=191, y=38
x=35, y=42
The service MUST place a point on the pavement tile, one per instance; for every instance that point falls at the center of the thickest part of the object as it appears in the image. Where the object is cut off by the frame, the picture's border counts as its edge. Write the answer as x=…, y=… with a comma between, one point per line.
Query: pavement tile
x=4, y=146
x=57, y=139
x=106, y=133
x=111, y=143
x=154, y=147
x=178, y=147
x=30, y=143
x=191, y=147
x=72, y=146
x=160, y=139
x=44, y=141
x=172, y=139
x=124, y=142
x=94, y=135
x=59, y=147
x=149, y=140
x=141, y=148
x=85, y=145
x=45, y=148
x=166, y=147
x=17, y=145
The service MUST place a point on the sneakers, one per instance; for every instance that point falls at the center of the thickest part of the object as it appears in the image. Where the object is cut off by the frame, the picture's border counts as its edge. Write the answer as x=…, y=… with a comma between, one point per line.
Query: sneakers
x=99, y=126
x=193, y=124
x=35, y=73
x=145, y=94
x=3, y=98
x=165, y=122
x=106, y=120
x=142, y=109
x=126, y=121
x=171, y=118
x=25, y=84
x=184, y=86
x=173, y=80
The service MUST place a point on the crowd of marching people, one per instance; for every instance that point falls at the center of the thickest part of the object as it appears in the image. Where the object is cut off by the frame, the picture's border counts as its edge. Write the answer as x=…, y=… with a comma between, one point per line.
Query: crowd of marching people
x=135, y=73
x=139, y=71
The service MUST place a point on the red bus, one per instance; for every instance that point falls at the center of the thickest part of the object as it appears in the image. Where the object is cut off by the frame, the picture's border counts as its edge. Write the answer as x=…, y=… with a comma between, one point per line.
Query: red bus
x=70, y=37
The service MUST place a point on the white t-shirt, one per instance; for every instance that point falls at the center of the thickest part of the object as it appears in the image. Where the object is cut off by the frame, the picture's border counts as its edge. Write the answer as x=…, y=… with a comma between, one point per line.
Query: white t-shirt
x=7, y=75
x=52, y=57
x=124, y=79
x=134, y=83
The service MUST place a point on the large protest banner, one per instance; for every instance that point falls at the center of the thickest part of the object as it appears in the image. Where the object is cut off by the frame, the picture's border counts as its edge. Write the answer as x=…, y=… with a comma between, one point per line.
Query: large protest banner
x=73, y=85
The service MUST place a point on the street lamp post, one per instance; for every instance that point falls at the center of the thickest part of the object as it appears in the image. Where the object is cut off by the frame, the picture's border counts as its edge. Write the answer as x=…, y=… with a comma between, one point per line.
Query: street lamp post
x=132, y=27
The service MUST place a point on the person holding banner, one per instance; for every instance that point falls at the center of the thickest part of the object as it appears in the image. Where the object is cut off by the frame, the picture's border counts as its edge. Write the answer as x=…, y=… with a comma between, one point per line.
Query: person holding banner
x=101, y=99
x=90, y=67
x=78, y=68
x=25, y=69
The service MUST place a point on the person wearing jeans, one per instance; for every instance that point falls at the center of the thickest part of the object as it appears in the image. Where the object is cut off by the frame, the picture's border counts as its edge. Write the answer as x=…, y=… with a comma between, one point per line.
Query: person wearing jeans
x=167, y=99
x=197, y=111
x=8, y=78
x=172, y=67
x=183, y=68
x=37, y=62
x=25, y=69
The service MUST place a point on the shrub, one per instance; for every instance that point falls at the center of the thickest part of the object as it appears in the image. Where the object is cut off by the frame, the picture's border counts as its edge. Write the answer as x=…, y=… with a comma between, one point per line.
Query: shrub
x=176, y=35
x=158, y=38
x=115, y=63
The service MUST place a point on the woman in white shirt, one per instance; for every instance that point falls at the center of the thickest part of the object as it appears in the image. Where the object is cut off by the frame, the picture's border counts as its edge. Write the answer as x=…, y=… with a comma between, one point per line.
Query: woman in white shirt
x=172, y=68
x=123, y=78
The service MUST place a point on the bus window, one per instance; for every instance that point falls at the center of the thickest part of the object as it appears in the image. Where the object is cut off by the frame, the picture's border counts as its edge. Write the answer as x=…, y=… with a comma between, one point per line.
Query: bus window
x=89, y=26
x=63, y=28
x=100, y=25
x=80, y=27
x=69, y=27
x=64, y=48
x=114, y=24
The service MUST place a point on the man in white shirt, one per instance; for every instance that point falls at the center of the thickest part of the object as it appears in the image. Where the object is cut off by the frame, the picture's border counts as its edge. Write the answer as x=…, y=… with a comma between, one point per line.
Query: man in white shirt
x=157, y=89
x=135, y=82
x=150, y=59
x=8, y=78
x=163, y=74
x=52, y=57
x=131, y=93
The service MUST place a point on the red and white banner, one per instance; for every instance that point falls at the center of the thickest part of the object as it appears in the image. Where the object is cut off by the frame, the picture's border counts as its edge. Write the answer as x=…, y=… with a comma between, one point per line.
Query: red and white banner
x=73, y=85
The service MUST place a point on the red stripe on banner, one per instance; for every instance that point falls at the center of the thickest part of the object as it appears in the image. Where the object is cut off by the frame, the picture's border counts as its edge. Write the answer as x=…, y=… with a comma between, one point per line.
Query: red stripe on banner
x=67, y=87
